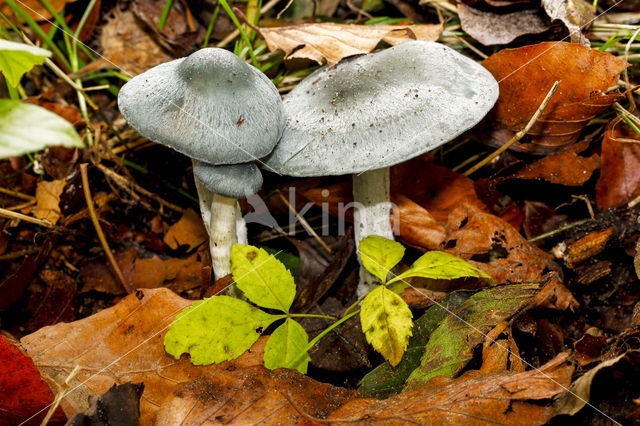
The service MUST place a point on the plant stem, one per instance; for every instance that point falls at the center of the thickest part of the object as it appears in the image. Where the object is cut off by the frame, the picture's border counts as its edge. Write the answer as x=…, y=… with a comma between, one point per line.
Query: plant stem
x=322, y=334
x=329, y=317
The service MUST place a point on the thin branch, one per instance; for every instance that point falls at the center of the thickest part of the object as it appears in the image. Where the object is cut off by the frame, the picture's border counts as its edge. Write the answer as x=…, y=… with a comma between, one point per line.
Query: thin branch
x=518, y=136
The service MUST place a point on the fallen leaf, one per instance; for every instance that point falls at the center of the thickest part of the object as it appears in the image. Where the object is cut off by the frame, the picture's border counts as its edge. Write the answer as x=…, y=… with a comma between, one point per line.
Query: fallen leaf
x=333, y=42
x=472, y=399
x=34, y=8
x=576, y=15
x=128, y=46
x=24, y=393
x=417, y=226
x=188, y=231
x=51, y=299
x=120, y=405
x=563, y=168
x=527, y=73
x=47, y=200
x=450, y=346
x=620, y=172
x=250, y=396
x=579, y=393
x=496, y=27
x=497, y=248
x=540, y=218
x=121, y=344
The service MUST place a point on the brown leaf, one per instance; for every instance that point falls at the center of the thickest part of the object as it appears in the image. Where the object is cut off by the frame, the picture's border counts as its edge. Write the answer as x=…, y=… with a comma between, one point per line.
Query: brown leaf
x=540, y=218
x=417, y=226
x=493, y=27
x=33, y=8
x=496, y=247
x=51, y=299
x=563, y=168
x=620, y=172
x=47, y=200
x=121, y=344
x=188, y=231
x=333, y=42
x=525, y=76
x=250, y=396
x=576, y=15
x=472, y=399
x=128, y=46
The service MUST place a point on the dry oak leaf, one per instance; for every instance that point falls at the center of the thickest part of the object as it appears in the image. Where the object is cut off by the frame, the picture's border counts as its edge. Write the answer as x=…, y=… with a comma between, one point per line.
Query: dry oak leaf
x=526, y=74
x=620, y=172
x=495, y=27
x=47, y=200
x=188, y=231
x=333, y=42
x=250, y=396
x=121, y=344
x=472, y=399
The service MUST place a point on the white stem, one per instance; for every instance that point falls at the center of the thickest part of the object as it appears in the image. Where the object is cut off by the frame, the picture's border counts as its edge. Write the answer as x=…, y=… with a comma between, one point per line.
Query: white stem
x=371, y=216
x=241, y=227
x=219, y=216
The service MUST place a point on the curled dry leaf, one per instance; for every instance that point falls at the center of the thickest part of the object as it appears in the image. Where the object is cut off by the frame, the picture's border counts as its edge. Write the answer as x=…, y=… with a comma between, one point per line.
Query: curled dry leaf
x=252, y=395
x=47, y=200
x=525, y=76
x=472, y=399
x=188, y=231
x=620, y=172
x=492, y=27
x=121, y=344
x=332, y=42
x=576, y=15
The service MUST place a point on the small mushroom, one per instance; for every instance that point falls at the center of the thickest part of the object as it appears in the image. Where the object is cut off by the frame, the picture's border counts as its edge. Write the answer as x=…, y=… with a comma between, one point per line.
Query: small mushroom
x=370, y=112
x=221, y=112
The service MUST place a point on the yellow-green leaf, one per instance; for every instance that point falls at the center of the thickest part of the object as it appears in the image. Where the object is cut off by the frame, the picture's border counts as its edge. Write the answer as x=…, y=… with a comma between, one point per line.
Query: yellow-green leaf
x=443, y=266
x=379, y=255
x=386, y=322
x=287, y=347
x=18, y=58
x=263, y=279
x=27, y=128
x=216, y=329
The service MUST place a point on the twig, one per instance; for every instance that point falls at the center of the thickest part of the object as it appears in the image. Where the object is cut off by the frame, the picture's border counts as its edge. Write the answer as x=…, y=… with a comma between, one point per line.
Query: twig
x=60, y=395
x=126, y=184
x=18, y=254
x=96, y=225
x=17, y=194
x=520, y=134
x=304, y=223
x=22, y=206
x=25, y=218
x=235, y=33
x=559, y=230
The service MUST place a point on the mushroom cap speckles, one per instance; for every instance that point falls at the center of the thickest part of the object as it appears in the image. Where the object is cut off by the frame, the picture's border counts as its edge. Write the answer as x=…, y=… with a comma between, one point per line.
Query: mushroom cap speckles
x=211, y=106
x=234, y=180
x=377, y=110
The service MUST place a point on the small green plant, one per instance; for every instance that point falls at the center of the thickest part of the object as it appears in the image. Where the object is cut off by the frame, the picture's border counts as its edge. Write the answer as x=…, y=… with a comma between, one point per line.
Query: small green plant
x=222, y=328
x=24, y=127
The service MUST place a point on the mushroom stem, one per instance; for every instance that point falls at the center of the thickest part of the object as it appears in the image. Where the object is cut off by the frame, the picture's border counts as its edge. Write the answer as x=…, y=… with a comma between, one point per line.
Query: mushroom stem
x=219, y=214
x=371, y=216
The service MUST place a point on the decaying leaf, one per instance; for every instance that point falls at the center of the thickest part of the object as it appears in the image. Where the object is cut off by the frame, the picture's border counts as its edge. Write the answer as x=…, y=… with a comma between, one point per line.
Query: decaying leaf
x=472, y=399
x=620, y=172
x=492, y=27
x=121, y=344
x=120, y=405
x=127, y=45
x=576, y=15
x=332, y=42
x=450, y=346
x=48, y=198
x=527, y=73
x=578, y=395
x=188, y=231
x=250, y=396
x=563, y=168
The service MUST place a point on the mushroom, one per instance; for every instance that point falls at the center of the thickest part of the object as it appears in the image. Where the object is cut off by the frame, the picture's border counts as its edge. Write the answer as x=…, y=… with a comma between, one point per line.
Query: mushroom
x=224, y=114
x=370, y=112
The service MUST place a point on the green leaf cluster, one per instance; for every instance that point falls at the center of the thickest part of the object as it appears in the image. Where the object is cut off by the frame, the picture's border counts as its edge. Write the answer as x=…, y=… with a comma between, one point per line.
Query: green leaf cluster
x=386, y=319
x=221, y=328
